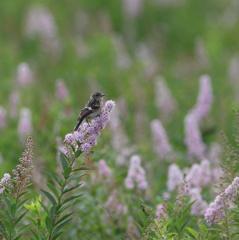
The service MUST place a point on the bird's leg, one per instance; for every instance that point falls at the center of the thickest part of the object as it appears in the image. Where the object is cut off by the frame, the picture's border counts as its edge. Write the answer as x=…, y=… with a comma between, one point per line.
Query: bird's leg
x=88, y=122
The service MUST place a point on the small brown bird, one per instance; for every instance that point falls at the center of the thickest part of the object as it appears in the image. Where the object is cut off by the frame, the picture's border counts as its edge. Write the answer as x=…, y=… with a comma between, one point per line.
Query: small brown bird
x=92, y=108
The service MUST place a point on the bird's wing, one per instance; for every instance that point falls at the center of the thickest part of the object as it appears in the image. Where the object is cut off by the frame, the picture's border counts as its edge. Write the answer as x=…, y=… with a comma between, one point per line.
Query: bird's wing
x=84, y=113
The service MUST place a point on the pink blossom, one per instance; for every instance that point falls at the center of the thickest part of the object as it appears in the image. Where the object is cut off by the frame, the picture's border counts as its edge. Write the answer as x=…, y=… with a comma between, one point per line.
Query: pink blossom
x=24, y=74
x=193, y=138
x=61, y=90
x=136, y=175
x=163, y=98
x=160, y=139
x=199, y=206
x=3, y=117
x=161, y=211
x=175, y=177
x=25, y=123
x=40, y=23
x=199, y=175
x=217, y=209
x=104, y=170
x=86, y=135
x=132, y=7
x=232, y=189
x=204, y=100
x=14, y=100
x=114, y=205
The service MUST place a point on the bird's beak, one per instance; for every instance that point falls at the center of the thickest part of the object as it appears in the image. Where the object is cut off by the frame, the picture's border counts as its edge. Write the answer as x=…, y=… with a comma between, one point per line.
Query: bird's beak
x=102, y=95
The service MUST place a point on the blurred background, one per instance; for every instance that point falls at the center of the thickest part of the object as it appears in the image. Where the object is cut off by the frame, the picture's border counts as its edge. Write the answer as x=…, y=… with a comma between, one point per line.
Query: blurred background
x=55, y=54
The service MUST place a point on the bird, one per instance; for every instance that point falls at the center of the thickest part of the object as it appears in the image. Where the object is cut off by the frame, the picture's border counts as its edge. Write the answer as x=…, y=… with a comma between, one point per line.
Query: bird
x=92, y=108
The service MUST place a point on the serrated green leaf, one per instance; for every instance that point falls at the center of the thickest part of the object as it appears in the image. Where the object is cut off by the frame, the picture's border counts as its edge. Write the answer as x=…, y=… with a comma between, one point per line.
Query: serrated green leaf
x=53, y=176
x=63, y=218
x=53, y=189
x=72, y=198
x=72, y=188
x=67, y=172
x=64, y=162
x=75, y=177
x=50, y=197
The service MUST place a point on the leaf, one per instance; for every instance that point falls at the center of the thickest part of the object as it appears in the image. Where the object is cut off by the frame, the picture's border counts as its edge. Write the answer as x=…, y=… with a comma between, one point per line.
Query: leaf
x=142, y=216
x=61, y=225
x=65, y=207
x=203, y=229
x=18, y=219
x=75, y=177
x=4, y=234
x=35, y=234
x=6, y=201
x=13, y=210
x=49, y=225
x=72, y=198
x=57, y=235
x=82, y=168
x=18, y=237
x=46, y=209
x=53, y=189
x=63, y=218
x=64, y=162
x=67, y=172
x=72, y=188
x=49, y=196
x=53, y=176
x=78, y=153
x=193, y=232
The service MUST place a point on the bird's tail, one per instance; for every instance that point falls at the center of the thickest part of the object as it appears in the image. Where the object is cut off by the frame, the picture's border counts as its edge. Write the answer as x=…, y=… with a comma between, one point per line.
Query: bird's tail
x=78, y=124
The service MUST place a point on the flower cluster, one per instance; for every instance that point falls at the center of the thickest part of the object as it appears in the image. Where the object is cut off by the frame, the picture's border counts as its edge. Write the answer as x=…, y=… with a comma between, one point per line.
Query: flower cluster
x=61, y=90
x=175, y=176
x=3, y=117
x=136, y=175
x=24, y=124
x=6, y=180
x=193, y=137
x=205, y=98
x=22, y=173
x=163, y=98
x=85, y=137
x=199, y=206
x=41, y=23
x=199, y=175
x=104, y=170
x=160, y=139
x=217, y=209
x=24, y=74
x=182, y=195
